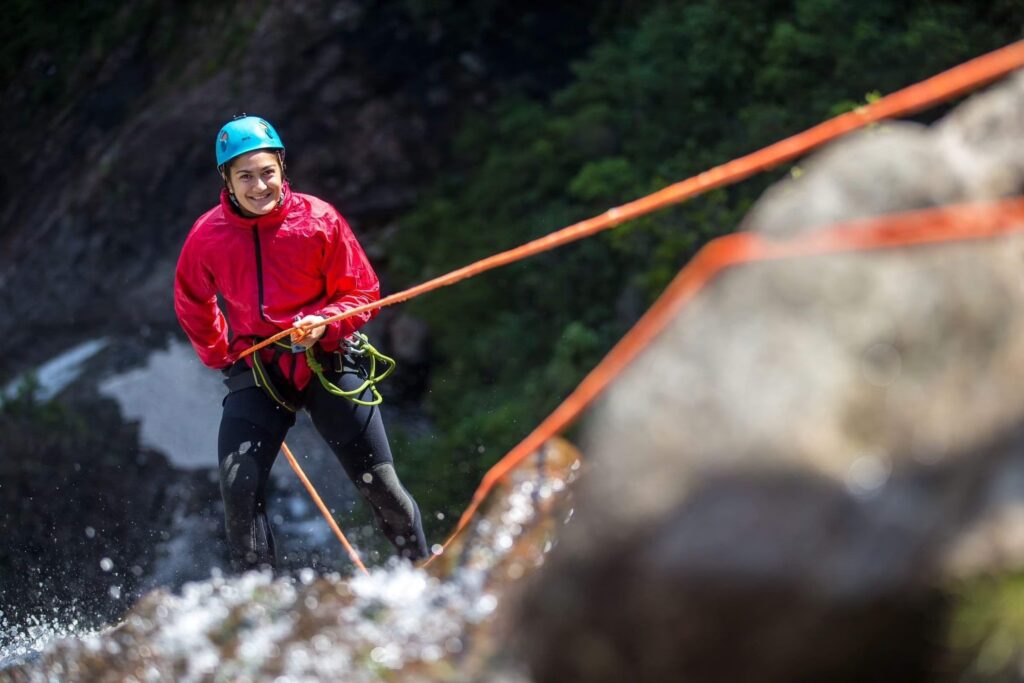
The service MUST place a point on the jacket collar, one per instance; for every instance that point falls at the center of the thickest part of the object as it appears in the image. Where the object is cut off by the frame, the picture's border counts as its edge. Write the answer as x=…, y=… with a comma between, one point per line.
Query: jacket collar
x=267, y=220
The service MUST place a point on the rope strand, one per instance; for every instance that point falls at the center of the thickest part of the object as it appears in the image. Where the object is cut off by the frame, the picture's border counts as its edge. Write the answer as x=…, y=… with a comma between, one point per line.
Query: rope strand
x=948, y=224
x=950, y=83
x=323, y=508
x=929, y=226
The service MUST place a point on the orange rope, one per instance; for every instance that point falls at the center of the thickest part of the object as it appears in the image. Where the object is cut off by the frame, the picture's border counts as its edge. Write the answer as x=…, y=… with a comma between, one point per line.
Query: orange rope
x=929, y=226
x=943, y=86
x=323, y=508
x=715, y=256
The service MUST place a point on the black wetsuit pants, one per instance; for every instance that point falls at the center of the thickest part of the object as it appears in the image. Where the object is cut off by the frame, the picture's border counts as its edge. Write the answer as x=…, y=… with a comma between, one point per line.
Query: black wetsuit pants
x=252, y=429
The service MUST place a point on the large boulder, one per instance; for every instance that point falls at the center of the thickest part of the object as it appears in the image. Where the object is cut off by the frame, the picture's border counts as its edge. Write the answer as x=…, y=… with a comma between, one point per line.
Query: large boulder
x=780, y=485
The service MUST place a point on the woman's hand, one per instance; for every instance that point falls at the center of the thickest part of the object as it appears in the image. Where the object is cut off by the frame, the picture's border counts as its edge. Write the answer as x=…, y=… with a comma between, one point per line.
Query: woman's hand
x=304, y=337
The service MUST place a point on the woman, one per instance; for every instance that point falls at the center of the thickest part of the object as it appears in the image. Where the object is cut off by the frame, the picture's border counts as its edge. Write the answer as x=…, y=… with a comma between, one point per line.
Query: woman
x=280, y=260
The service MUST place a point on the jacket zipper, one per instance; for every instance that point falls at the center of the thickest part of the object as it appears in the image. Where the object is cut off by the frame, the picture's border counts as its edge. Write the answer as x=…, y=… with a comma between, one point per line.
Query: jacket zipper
x=259, y=269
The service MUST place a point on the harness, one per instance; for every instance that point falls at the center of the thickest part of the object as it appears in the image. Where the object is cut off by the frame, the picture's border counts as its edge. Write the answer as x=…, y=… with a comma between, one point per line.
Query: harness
x=357, y=347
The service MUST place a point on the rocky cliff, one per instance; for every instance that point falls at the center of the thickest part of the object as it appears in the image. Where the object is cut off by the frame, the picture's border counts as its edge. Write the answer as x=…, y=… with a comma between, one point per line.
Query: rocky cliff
x=115, y=120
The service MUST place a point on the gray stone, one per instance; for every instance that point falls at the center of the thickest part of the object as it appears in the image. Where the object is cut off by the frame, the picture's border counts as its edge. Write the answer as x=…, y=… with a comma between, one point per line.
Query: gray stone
x=780, y=482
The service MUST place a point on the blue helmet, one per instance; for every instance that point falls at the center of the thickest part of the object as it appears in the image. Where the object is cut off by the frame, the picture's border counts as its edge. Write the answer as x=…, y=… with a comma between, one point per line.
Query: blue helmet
x=245, y=134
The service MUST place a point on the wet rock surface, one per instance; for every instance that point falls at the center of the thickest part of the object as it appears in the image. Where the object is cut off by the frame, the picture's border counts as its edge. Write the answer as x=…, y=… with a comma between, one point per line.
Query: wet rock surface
x=828, y=441
x=396, y=624
x=80, y=531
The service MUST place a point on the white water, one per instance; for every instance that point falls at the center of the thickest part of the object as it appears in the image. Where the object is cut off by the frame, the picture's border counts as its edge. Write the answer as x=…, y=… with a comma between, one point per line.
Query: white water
x=357, y=628
x=56, y=374
x=176, y=400
x=26, y=641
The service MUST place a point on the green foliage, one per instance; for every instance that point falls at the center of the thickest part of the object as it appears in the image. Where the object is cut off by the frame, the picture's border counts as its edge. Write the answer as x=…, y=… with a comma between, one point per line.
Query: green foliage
x=680, y=88
x=55, y=36
x=57, y=27
x=987, y=627
x=55, y=49
x=25, y=405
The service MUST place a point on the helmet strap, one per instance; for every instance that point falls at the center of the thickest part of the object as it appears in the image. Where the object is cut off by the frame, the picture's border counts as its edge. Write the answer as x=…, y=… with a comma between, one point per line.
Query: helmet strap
x=231, y=193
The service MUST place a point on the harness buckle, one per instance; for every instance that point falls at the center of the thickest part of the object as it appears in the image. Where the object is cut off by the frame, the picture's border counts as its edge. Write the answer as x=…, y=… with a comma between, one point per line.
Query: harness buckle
x=356, y=344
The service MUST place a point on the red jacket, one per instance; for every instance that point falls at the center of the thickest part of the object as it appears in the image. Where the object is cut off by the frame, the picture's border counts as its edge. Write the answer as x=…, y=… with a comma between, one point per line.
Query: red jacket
x=300, y=259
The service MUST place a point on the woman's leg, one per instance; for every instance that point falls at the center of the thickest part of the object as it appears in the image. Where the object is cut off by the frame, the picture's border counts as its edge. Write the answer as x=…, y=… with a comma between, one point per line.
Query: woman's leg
x=252, y=428
x=356, y=435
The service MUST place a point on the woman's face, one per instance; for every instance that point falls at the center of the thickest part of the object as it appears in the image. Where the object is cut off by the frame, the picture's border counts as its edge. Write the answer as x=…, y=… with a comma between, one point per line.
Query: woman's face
x=255, y=178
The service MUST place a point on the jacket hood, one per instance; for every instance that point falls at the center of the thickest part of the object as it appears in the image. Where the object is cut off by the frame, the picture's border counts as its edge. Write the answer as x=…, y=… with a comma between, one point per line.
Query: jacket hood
x=267, y=220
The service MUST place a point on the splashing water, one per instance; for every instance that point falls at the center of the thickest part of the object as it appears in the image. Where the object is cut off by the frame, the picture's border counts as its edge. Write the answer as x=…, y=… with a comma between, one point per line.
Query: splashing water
x=20, y=643
x=398, y=623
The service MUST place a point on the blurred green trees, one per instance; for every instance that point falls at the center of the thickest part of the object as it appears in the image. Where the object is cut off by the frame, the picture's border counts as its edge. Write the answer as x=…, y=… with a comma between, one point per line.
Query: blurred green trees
x=679, y=89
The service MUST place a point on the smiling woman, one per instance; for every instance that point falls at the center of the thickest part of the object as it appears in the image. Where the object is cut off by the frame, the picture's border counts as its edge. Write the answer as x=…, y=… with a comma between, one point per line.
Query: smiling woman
x=250, y=158
x=281, y=260
x=255, y=181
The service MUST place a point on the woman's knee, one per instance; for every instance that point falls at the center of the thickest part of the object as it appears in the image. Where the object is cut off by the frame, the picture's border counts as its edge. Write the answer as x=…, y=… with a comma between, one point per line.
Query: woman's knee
x=246, y=454
x=381, y=486
x=238, y=473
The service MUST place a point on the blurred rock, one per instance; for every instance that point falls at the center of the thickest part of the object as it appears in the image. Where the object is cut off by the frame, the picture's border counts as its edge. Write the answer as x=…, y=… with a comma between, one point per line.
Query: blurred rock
x=782, y=482
x=984, y=141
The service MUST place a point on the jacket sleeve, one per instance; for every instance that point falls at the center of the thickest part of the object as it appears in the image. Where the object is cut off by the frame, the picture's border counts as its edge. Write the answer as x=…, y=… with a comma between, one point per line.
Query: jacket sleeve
x=350, y=281
x=195, y=304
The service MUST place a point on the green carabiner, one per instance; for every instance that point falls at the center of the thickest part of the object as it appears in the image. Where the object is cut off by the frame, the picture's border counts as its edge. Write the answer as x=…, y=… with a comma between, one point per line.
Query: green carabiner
x=361, y=347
